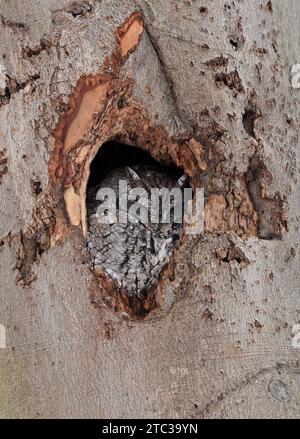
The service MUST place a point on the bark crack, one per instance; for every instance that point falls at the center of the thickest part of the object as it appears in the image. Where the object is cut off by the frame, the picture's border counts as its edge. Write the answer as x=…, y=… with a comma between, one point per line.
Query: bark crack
x=13, y=86
x=250, y=379
x=167, y=76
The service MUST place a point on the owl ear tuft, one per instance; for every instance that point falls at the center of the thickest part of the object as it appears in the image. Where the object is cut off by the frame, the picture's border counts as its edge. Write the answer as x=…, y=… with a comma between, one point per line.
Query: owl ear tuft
x=182, y=181
x=133, y=174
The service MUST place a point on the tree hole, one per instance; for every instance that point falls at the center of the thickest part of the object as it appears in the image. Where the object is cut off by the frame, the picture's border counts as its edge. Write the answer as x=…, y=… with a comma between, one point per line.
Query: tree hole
x=133, y=205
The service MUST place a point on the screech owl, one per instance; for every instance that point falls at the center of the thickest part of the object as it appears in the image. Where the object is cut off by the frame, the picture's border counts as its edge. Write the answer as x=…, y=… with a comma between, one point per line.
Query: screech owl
x=133, y=254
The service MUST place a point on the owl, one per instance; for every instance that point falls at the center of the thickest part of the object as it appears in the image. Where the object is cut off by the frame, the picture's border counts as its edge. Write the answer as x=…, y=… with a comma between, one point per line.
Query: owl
x=133, y=253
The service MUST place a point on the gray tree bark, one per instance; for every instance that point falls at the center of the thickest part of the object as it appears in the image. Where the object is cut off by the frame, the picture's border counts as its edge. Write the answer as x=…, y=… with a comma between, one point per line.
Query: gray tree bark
x=205, y=85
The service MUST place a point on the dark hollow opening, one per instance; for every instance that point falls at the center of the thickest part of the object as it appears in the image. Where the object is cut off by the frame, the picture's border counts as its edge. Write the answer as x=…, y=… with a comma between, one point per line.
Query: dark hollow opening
x=113, y=155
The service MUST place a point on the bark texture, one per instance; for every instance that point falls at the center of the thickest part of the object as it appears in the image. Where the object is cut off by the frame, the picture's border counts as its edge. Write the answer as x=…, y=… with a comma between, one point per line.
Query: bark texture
x=205, y=85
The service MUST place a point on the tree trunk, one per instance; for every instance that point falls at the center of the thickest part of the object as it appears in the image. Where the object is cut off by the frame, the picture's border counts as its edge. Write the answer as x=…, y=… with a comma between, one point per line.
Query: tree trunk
x=205, y=85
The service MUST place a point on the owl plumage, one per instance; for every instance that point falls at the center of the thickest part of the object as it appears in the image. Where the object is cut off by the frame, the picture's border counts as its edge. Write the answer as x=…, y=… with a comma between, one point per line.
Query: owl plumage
x=132, y=254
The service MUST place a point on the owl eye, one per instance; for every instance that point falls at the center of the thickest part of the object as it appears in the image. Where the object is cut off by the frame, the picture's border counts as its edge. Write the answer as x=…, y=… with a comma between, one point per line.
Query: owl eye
x=175, y=237
x=152, y=245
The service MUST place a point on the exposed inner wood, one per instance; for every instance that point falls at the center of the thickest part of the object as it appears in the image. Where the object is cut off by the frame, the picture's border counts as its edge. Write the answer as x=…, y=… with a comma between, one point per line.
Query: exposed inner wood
x=129, y=34
x=91, y=102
